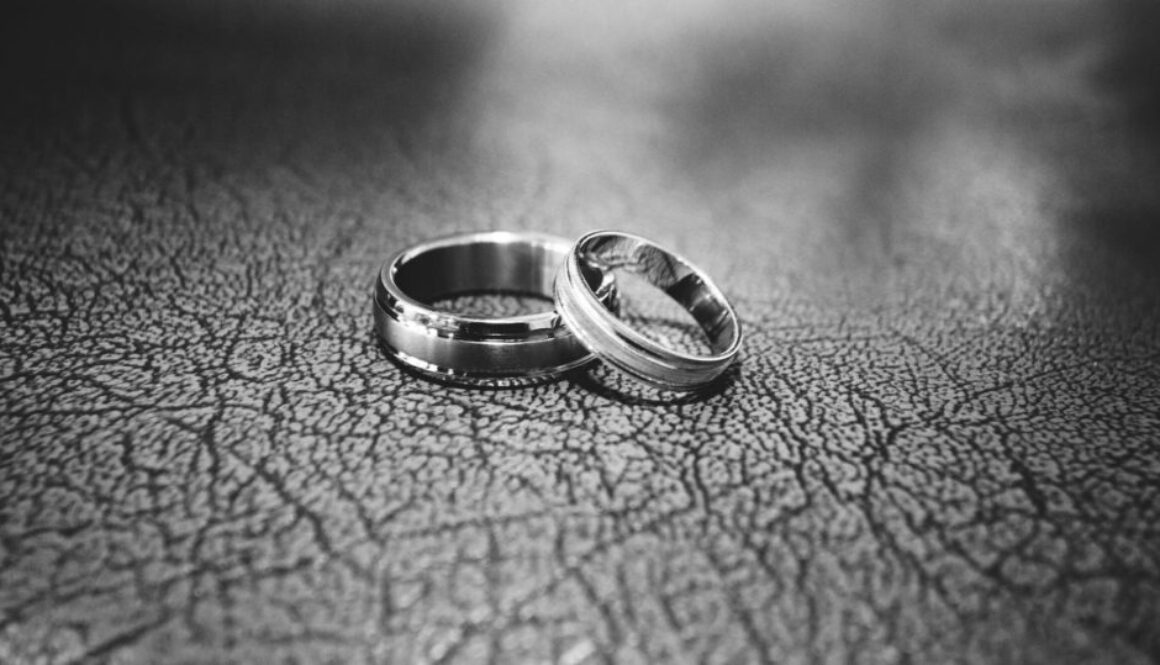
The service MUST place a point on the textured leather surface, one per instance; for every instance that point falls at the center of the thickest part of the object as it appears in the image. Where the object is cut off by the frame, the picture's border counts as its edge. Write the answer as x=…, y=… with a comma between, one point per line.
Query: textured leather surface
x=938, y=222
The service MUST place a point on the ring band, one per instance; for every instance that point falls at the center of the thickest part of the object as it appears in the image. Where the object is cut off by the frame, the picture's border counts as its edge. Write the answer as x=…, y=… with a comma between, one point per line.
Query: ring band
x=593, y=258
x=513, y=350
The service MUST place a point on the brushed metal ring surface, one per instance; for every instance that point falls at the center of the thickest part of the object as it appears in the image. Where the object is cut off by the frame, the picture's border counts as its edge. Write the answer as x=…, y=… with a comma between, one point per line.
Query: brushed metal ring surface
x=501, y=351
x=594, y=257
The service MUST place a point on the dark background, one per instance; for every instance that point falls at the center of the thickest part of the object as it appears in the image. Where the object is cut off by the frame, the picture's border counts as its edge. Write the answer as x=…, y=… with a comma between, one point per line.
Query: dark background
x=937, y=220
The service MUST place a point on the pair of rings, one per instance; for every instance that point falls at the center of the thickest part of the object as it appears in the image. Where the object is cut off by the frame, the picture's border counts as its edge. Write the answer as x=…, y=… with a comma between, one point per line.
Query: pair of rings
x=530, y=348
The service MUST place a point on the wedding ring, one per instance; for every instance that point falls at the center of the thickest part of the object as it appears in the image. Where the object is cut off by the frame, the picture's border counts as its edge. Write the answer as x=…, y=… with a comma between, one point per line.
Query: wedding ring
x=511, y=350
x=593, y=258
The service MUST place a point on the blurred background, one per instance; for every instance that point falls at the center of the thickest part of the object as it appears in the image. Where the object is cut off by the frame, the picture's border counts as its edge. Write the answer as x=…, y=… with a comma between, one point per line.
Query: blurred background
x=864, y=143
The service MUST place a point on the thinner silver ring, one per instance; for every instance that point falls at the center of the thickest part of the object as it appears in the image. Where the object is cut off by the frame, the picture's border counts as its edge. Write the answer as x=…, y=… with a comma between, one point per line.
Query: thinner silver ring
x=501, y=351
x=593, y=258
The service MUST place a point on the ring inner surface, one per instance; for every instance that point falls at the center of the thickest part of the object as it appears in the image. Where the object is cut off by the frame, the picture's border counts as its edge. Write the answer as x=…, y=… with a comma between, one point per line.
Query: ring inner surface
x=677, y=279
x=517, y=268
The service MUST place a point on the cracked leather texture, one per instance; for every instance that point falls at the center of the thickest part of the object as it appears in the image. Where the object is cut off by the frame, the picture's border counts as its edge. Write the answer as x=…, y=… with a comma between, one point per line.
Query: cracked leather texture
x=938, y=223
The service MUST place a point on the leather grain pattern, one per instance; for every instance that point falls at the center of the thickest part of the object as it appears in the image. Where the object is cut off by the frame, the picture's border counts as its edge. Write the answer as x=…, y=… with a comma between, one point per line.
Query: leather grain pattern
x=938, y=222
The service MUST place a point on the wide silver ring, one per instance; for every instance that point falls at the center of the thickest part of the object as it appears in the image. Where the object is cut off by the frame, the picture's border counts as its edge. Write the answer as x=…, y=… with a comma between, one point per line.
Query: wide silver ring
x=502, y=351
x=593, y=258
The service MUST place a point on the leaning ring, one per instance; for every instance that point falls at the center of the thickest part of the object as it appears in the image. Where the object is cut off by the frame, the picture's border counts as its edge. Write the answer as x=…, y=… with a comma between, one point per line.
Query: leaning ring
x=593, y=258
x=513, y=350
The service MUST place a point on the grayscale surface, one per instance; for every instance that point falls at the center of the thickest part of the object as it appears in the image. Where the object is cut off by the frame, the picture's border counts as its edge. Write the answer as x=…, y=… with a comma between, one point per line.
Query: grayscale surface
x=938, y=222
